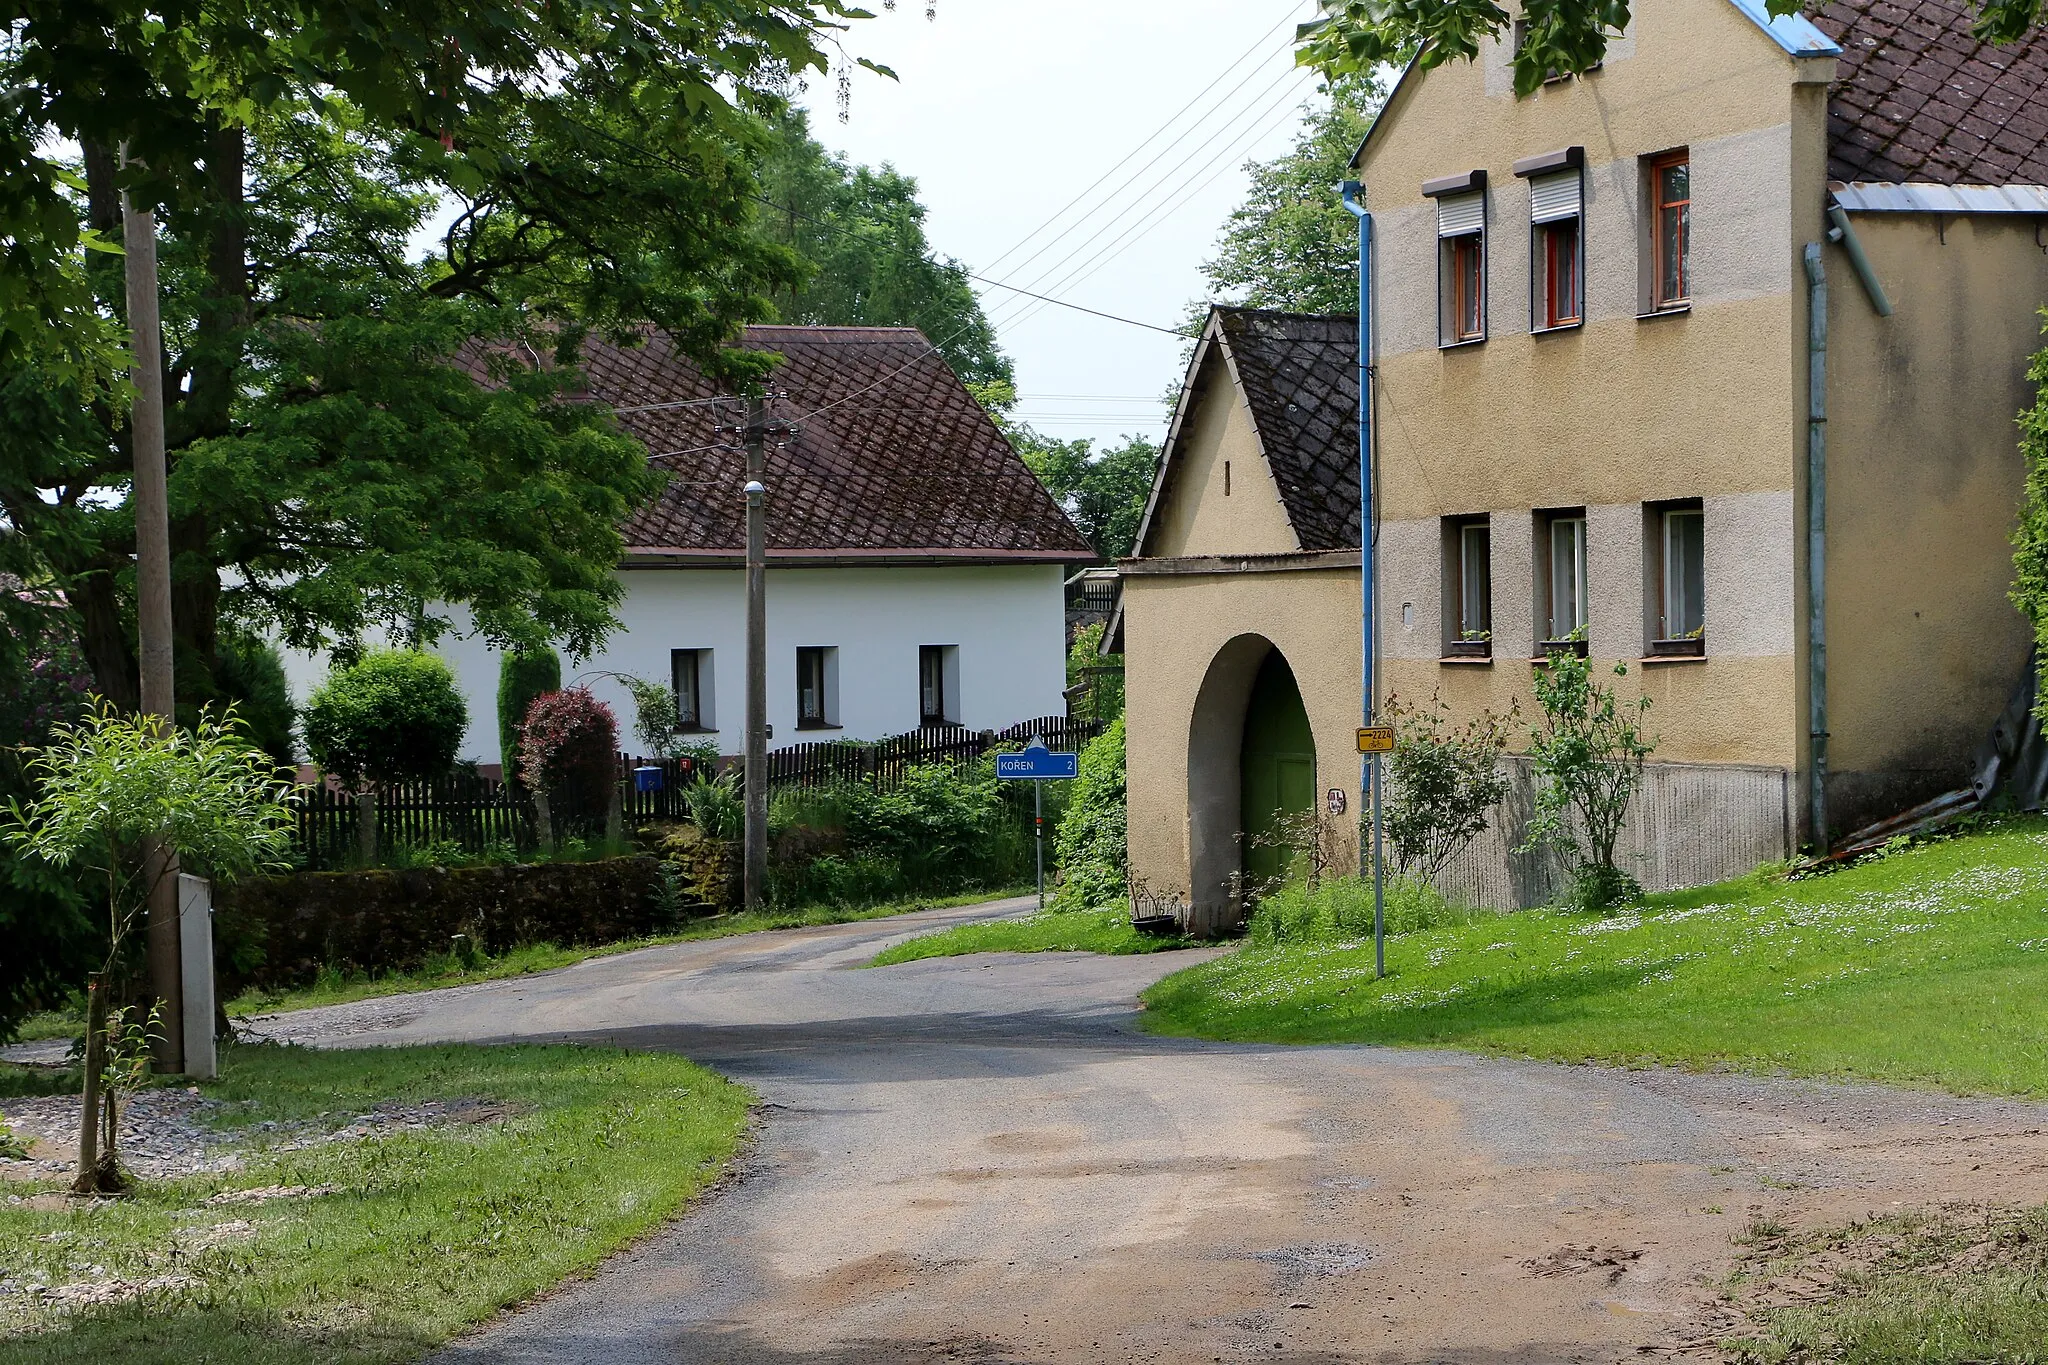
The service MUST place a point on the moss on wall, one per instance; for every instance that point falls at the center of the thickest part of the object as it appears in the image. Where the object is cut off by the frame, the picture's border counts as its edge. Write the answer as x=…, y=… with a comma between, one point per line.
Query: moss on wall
x=280, y=931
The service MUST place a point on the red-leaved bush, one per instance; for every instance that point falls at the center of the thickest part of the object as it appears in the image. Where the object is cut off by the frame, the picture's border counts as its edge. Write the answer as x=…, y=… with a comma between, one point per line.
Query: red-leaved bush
x=569, y=743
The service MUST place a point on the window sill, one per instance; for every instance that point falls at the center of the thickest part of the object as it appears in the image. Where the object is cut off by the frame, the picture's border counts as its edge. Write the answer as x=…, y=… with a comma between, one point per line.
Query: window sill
x=818, y=725
x=1660, y=659
x=1550, y=647
x=1578, y=326
x=1464, y=345
x=1467, y=660
x=1676, y=310
x=696, y=729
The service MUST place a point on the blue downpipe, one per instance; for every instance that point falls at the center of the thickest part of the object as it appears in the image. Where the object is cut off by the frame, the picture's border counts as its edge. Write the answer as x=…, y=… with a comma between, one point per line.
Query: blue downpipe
x=1368, y=556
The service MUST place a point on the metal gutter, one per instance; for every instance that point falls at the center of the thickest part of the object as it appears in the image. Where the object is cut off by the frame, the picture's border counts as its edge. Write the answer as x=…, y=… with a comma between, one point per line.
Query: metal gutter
x=1793, y=32
x=1817, y=540
x=1845, y=237
x=1860, y=196
x=1286, y=562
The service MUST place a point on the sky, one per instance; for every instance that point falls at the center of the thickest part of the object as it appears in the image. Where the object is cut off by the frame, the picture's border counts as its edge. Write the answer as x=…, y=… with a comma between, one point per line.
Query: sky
x=1007, y=111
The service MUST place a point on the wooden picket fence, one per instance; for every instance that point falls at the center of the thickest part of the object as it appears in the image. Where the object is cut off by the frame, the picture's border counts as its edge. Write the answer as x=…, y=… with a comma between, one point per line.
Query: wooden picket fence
x=475, y=812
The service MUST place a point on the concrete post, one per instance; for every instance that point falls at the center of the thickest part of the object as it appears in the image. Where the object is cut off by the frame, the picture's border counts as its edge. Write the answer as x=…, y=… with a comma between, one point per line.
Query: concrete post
x=195, y=941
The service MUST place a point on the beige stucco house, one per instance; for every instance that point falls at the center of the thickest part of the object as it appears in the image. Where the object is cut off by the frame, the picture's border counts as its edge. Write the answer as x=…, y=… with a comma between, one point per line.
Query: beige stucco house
x=1596, y=311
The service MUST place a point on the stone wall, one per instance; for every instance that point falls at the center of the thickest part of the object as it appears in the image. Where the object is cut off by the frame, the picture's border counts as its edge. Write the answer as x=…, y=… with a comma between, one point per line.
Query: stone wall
x=280, y=931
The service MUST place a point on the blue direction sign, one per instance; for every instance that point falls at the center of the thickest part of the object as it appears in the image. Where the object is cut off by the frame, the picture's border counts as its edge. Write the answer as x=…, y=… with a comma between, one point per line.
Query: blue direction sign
x=1038, y=762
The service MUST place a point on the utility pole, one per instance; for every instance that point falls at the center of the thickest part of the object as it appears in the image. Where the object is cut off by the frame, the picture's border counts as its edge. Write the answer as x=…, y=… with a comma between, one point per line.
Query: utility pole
x=756, y=789
x=153, y=600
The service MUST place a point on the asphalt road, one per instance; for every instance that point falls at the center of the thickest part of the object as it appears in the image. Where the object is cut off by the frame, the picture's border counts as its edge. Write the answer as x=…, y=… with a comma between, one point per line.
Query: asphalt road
x=985, y=1159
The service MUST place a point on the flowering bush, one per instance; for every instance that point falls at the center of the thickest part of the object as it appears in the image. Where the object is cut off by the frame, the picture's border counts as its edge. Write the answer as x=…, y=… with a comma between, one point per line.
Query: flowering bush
x=569, y=743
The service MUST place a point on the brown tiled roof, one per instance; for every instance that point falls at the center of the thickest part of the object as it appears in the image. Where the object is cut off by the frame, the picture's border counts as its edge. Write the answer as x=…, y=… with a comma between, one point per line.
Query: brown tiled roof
x=1299, y=375
x=891, y=457
x=1919, y=98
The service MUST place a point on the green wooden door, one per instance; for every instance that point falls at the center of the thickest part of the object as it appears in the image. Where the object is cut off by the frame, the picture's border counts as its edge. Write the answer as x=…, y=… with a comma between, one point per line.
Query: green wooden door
x=1278, y=764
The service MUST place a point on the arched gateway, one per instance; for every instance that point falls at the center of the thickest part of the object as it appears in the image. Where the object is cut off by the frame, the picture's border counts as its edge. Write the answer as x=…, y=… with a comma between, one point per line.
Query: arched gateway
x=1251, y=762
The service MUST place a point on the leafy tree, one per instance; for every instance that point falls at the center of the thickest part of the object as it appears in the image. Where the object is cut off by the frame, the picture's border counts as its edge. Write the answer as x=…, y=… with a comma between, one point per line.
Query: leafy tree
x=466, y=84
x=1292, y=245
x=1103, y=493
x=108, y=786
x=335, y=463
x=862, y=231
x=1090, y=842
x=1361, y=36
x=1589, y=756
x=523, y=674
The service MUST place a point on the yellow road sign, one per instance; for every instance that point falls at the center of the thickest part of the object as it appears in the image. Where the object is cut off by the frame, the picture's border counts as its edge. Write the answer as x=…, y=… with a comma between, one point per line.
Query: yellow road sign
x=1375, y=739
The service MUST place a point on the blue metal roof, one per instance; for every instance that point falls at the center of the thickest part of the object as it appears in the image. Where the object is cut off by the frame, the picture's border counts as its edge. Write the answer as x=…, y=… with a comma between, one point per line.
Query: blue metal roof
x=1793, y=32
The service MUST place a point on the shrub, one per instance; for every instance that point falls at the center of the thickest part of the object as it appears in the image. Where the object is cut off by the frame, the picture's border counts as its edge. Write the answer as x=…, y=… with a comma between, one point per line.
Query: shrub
x=569, y=747
x=394, y=716
x=2030, y=536
x=1090, y=845
x=1340, y=911
x=715, y=805
x=46, y=916
x=1442, y=783
x=1589, y=757
x=657, y=723
x=936, y=825
x=522, y=676
x=251, y=678
x=1101, y=675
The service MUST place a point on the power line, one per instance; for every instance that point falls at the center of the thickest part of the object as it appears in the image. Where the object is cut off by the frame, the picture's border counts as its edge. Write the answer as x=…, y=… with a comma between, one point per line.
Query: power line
x=1142, y=198
x=1251, y=52
x=1250, y=133
x=1225, y=163
x=998, y=284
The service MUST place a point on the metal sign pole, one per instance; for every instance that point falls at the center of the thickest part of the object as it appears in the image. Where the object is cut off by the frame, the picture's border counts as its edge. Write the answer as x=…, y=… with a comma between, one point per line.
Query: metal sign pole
x=1038, y=835
x=1379, y=880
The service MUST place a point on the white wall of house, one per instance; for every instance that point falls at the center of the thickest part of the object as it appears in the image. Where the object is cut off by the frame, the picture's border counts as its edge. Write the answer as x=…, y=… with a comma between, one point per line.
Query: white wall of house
x=1006, y=622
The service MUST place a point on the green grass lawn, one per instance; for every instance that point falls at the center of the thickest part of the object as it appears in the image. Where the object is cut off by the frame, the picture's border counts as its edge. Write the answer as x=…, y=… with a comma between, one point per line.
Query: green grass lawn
x=426, y=1232
x=1075, y=931
x=1928, y=967
x=1961, y=1286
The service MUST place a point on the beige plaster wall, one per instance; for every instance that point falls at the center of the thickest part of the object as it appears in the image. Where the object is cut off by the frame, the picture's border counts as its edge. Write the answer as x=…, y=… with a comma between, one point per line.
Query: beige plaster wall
x=1194, y=516
x=1174, y=626
x=1624, y=410
x=1924, y=481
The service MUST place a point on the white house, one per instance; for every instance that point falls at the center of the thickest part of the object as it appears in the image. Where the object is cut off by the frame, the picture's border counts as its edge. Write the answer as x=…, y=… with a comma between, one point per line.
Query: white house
x=916, y=566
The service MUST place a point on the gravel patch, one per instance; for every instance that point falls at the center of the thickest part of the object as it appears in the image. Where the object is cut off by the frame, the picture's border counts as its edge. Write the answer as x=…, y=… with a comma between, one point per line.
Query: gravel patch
x=166, y=1134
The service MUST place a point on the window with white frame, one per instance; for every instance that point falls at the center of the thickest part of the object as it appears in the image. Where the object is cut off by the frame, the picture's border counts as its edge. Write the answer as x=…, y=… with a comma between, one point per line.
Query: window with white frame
x=1681, y=554
x=1569, y=611
x=817, y=687
x=690, y=675
x=938, y=684
x=1468, y=553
